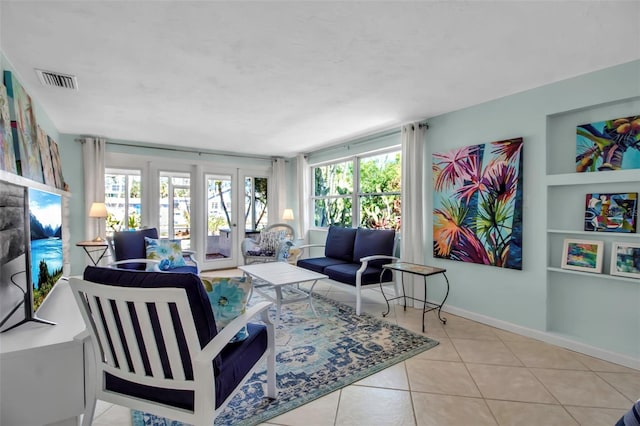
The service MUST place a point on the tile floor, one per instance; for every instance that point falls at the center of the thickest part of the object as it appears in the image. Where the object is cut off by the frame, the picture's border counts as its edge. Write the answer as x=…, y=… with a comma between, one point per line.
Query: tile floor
x=477, y=375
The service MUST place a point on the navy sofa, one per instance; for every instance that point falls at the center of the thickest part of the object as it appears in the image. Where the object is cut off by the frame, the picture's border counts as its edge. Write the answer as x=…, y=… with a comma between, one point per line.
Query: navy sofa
x=354, y=256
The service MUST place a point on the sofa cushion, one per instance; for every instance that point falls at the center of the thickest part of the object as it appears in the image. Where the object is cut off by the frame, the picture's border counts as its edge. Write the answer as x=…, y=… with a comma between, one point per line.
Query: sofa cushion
x=317, y=264
x=369, y=242
x=339, y=244
x=346, y=273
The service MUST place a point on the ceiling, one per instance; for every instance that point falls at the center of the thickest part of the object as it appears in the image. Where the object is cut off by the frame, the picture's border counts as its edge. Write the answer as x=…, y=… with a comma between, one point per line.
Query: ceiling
x=279, y=78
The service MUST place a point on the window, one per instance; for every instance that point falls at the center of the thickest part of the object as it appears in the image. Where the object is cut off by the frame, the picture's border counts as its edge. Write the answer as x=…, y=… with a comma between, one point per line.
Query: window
x=375, y=204
x=255, y=201
x=122, y=192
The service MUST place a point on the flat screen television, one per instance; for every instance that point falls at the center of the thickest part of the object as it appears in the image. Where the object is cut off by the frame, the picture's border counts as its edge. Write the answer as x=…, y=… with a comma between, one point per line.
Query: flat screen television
x=31, y=259
x=45, y=228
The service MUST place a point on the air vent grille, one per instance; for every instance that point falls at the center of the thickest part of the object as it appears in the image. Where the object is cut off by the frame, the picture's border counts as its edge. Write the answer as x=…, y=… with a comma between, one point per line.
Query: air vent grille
x=56, y=79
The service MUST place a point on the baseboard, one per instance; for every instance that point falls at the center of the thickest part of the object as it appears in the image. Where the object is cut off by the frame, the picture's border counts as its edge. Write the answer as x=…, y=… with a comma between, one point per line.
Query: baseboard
x=548, y=337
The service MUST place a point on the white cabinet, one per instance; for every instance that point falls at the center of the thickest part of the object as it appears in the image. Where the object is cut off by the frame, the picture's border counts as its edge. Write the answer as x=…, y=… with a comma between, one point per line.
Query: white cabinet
x=42, y=366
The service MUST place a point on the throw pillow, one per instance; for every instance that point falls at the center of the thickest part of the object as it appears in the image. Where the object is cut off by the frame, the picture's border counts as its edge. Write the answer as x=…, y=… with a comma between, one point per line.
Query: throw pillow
x=168, y=252
x=228, y=297
x=269, y=241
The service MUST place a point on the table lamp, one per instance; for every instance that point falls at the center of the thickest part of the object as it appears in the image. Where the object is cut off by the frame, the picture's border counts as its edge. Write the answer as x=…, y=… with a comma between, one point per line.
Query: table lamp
x=287, y=214
x=98, y=211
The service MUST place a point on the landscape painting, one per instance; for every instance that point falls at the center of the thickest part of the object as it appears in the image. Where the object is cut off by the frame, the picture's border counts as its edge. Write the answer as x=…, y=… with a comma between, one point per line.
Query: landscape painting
x=45, y=213
x=611, y=212
x=608, y=145
x=477, y=214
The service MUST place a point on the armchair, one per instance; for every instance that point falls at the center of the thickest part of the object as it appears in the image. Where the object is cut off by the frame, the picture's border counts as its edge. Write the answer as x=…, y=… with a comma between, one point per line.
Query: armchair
x=129, y=251
x=156, y=346
x=272, y=245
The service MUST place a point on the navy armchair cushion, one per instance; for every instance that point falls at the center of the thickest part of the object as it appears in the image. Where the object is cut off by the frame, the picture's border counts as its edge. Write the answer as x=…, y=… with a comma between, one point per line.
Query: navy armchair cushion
x=346, y=273
x=339, y=244
x=196, y=294
x=130, y=245
x=369, y=242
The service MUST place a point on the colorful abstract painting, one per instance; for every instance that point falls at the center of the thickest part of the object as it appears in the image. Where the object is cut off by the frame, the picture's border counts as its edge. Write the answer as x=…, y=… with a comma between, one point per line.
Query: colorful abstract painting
x=582, y=255
x=611, y=212
x=21, y=112
x=608, y=145
x=625, y=260
x=477, y=214
x=7, y=153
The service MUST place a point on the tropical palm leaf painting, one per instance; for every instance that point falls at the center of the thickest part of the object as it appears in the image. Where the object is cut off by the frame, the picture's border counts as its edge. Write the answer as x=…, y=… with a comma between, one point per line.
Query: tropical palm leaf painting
x=608, y=145
x=477, y=213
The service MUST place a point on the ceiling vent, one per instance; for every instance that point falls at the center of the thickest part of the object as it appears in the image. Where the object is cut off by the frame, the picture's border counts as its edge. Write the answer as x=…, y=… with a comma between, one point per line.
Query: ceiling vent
x=56, y=79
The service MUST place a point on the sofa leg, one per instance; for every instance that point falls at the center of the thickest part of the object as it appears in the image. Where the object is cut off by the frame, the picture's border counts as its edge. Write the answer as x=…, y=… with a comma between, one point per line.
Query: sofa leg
x=358, y=302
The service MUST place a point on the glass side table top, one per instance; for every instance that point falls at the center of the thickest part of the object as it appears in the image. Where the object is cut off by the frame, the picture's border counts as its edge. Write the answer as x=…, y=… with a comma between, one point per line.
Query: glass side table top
x=414, y=268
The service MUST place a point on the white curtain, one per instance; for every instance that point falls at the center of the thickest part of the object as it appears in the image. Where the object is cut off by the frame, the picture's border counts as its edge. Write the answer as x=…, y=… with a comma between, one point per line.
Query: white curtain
x=93, y=150
x=413, y=202
x=278, y=202
x=304, y=188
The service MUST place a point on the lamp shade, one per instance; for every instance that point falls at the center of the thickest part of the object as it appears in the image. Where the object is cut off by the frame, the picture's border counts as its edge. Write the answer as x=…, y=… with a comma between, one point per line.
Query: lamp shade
x=287, y=214
x=98, y=210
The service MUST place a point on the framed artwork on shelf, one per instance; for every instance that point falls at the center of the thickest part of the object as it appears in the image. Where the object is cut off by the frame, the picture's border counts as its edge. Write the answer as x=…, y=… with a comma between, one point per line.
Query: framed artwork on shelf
x=625, y=260
x=582, y=255
x=608, y=145
x=611, y=212
x=7, y=153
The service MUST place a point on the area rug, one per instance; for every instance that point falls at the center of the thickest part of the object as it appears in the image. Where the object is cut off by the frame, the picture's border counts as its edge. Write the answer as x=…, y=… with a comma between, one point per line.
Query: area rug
x=315, y=356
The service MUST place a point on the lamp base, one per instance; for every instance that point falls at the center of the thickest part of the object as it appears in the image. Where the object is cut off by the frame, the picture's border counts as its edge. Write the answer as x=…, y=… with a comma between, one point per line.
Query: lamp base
x=97, y=239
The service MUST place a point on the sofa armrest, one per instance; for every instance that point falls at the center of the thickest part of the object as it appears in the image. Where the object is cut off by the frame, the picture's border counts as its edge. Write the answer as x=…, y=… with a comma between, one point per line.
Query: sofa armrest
x=365, y=261
x=307, y=246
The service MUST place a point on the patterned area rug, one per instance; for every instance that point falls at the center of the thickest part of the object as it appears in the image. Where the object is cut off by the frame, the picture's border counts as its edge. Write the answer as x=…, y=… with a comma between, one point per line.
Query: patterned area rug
x=315, y=356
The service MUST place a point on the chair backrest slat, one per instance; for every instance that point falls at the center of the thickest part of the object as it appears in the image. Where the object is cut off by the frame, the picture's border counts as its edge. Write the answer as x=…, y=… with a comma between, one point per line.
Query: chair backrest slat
x=169, y=334
x=129, y=333
x=110, y=316
x=149, y=339
x=94, y=310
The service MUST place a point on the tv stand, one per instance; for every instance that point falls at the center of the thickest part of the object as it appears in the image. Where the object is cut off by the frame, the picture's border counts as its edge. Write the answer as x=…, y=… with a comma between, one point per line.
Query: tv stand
x=44, y=364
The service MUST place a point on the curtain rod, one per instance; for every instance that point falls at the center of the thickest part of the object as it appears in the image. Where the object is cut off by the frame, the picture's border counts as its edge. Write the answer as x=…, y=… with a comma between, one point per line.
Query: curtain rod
x=191, y=151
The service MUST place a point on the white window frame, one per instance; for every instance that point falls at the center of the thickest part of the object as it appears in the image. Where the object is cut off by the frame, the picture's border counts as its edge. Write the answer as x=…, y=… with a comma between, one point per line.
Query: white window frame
x=356, y=194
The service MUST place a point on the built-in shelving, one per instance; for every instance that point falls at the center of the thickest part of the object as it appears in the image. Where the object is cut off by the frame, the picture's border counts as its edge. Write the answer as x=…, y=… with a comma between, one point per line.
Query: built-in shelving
x=592, y=274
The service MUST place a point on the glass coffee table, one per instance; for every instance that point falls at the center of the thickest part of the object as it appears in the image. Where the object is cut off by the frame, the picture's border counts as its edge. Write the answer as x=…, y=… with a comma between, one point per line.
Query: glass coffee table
x=416, y=269
x=277, y=275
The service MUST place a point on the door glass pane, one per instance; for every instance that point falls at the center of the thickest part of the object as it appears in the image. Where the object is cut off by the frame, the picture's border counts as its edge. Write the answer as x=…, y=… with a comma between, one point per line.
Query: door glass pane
x=175, y=207
x=122, y=193
x=219, y=217
x=255, y=201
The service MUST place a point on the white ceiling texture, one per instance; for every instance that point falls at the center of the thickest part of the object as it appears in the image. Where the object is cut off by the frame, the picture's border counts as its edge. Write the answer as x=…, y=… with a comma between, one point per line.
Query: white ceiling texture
x=279, y=78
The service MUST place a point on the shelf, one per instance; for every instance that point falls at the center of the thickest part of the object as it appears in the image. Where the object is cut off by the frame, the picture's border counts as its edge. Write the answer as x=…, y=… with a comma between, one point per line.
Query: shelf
x=22, y=181
x=592, y=233
x=593, y=275
x=591, y=178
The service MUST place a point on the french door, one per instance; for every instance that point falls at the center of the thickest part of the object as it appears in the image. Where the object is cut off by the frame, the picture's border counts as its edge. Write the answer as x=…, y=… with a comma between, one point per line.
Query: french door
x=221, y=211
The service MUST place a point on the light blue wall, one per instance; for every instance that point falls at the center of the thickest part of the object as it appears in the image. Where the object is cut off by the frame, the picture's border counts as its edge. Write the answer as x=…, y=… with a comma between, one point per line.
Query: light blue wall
x=521, y=297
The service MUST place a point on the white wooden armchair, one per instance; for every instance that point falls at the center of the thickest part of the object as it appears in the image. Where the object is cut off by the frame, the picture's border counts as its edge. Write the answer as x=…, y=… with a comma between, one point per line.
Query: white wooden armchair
x=157, y=348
